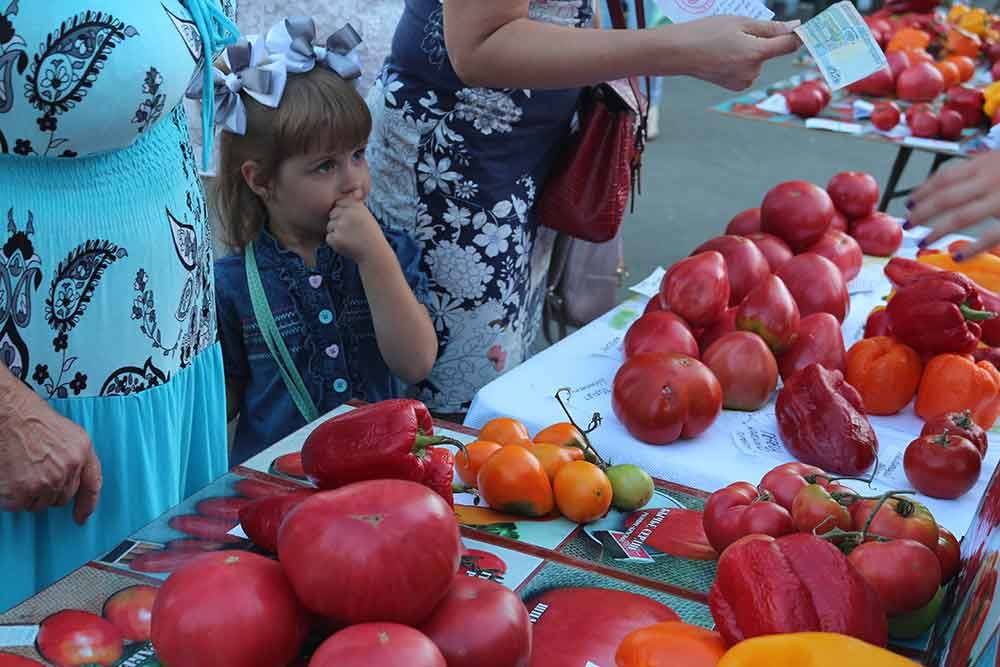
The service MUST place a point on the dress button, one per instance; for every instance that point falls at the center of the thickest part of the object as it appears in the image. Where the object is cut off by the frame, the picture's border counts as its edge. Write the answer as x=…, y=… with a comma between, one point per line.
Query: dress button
x=325, y=316
x=316, y=281
x=333, y=351
x=340, y=385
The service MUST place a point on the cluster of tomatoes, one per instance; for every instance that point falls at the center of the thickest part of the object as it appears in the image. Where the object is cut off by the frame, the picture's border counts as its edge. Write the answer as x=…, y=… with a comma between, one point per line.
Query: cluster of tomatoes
x=893, y=541
x=557, y=469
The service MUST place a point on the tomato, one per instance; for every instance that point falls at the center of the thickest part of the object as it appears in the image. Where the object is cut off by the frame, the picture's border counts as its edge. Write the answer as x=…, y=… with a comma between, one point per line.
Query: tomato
x=237, y=608
x=378, y=645
x=227, y=507
x=574, y=626
x=961, y=424
x=384, y=549
x=480, y=624
x=745, y=264
x=817, y=285
x=262, y=518
x=942, y=466
x=949, y=72
x=582, y=492
x=925, y=124
x=11, y=660
x=841, y=249
x=819, y=85
x=878, y=234
x=897, y=519
x=506, y=431
x=670, y=643
x=469, y=462
x=659, y=331
x=515, y=481
x=951, y=125
x=739, y=510
x=662, y=397
x=770, y=312
x=905, y=574
x=968, y=102
x=854, y=193
x=797, y=212
x=838, y=224
x=921, y=82
x=697, y=288
x=774, y=249
x=554, y=457
x=885, y=116
x=816, y=511
x=877, y=84
x=949, y=554
x=73, y=637
x=131, y=610
x=898, y=61
x=914, y=109
x=477, y=562
x=744, y=222
x=786, y=480
x=207, y=528
x=722, y=326
x=877, y=323
x=820, y=341
x=563, y=433
x=805, y=101
x=746, y=369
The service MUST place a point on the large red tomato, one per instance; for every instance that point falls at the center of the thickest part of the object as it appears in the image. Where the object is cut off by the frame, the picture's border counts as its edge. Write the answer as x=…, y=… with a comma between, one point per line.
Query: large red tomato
x=574, y=627
x=797, y=212
x=854, y=193
x=131, y=611
x=383, y=550
x=775, y=250
x=816, y=284
x=744, y=222
x=228, y=609
x=745, y=264
x=942, y=466
x=746, y=369
x=921, y=82
x=820, y=341
x=378, y=645
x=898, y=518
x=480, y=624
x=662, y=397
x=786, y=480
x=904, y=573
x=717, y=330
x=72, y=637
x=878, y=234
x=842, y=250
x=949, y=554
x=660, y=331
x=770, y=312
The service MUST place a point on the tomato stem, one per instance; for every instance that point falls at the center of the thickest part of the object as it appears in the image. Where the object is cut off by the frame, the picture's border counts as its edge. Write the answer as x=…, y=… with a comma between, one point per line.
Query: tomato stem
x=595, y=421
x=881, y=501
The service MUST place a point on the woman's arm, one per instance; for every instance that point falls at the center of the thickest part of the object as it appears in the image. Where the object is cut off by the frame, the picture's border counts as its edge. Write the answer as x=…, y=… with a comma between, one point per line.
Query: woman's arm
x=494, y=44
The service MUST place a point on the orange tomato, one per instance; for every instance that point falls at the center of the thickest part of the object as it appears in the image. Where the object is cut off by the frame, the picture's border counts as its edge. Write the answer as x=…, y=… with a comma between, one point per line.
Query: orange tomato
x=514, y=481
x=562, y=433
x=961, y=43
x=956, y=12
x=885, y=372
x=670, y=644
x=506, y=431
x=919, y=56
x=469, y=462
x=554, y=457
x=906, y=39
x=582, y=491
x=950, y=72
x=966, y=66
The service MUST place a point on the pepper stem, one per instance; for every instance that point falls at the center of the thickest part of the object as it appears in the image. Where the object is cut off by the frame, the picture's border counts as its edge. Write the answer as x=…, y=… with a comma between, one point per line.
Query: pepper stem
x=595, y=421
x=974, y=315
x=422, y=442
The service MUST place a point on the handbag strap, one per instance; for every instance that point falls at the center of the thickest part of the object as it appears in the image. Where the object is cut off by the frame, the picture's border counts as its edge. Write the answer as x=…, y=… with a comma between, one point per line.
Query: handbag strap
x=275, y=344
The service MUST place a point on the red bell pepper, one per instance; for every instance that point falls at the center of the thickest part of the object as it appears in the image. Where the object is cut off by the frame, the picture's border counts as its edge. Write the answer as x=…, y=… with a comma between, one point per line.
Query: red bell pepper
x=796, y=583
x=739, y=510
x=938, y=313
x=385, y=440
x=440, y=473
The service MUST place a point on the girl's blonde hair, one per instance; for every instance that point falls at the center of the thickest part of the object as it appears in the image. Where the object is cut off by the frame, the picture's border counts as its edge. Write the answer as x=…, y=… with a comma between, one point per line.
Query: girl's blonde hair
x=319, y=111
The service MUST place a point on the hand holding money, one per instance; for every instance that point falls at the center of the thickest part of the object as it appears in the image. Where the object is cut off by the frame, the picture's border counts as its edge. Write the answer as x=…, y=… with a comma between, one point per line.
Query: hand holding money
x=842, y=45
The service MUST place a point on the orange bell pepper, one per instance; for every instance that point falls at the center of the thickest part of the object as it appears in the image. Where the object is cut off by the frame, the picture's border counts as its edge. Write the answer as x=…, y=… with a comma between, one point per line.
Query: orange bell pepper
x=816, y=649
x=670, y=644
x=976, y=21
x=908, y=38
x=957, y=11
x=983, y=269
x=953, y=383
x=962, y=43
x=885, y=372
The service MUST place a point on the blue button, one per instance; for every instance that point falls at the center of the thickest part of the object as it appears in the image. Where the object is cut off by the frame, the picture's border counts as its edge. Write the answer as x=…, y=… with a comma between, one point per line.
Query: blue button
x=325, y=316
x=340, y=385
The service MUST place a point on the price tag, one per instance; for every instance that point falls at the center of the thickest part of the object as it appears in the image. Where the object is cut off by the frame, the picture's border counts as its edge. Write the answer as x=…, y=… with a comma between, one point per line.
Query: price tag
x=650, y=285
x=932, y=144
x=17, y=635
x=834, y=126
x=776, y=103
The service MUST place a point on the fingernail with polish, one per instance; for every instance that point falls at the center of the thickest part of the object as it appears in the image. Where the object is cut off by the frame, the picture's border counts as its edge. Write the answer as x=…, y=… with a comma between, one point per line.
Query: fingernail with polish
x=922, y=243
x=907, y=224
x=958, y=256
x=910, y=204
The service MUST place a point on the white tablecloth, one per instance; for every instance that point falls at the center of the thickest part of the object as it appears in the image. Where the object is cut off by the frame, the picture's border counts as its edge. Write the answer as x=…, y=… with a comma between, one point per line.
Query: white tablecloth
x=739, y=445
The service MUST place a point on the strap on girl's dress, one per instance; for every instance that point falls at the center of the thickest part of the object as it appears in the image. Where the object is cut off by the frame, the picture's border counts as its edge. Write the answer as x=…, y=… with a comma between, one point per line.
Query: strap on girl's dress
x=272, y=338
x=217, y=31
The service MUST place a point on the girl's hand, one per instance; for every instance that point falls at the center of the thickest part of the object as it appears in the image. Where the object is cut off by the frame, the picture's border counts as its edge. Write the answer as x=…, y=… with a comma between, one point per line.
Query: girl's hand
x=728, y=51
x=959, y=197
x=353, y=232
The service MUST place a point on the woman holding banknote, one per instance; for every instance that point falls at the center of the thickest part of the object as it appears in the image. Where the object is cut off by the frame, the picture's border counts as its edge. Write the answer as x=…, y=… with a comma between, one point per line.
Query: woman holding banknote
x=473, y=102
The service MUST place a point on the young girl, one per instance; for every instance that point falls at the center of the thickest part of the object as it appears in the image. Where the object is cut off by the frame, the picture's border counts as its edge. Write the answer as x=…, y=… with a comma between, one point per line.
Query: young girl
x=319, y=305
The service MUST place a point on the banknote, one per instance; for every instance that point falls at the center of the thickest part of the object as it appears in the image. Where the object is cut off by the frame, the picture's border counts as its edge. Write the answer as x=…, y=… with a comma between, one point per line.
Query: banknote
x=681, y=11
x=842, y=45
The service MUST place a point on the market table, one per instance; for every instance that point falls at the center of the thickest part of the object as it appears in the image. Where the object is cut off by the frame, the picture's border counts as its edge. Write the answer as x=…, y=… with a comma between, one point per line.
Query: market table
x=739, y=445
x=839, y=117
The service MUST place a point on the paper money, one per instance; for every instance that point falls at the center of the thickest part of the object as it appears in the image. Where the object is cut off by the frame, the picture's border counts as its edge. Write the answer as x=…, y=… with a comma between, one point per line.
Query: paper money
x=842, y=45
x=681, y=11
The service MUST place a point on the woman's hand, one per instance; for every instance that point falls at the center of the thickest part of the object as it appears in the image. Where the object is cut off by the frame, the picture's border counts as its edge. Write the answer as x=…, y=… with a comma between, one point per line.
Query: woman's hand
x=728, y=51
x=959, y=197
x=45, y=459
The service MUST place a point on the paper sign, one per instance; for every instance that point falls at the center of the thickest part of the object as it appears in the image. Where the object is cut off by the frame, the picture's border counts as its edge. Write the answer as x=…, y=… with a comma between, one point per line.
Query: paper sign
x=17, y=635
x=862, y=109
x=932, y=144
x=650, y=286
x=842, y=45
x=776, y=103
x=681, y=11
x=238, y=532
x=834, y=126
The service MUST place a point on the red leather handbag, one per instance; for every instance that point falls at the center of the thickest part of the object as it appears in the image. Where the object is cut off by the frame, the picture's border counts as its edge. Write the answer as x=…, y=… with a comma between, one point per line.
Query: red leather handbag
x=588, y=189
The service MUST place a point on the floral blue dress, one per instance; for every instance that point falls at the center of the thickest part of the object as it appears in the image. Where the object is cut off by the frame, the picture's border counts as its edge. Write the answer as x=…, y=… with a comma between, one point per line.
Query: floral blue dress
x=106, y=287
x=459, y=168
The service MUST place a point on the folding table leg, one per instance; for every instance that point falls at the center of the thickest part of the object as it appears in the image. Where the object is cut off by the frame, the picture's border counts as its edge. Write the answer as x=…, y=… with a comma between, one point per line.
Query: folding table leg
x=902, y=157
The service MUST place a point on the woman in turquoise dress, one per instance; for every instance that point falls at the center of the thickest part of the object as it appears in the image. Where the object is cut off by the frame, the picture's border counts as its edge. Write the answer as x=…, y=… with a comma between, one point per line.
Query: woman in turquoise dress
x=111, y=365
